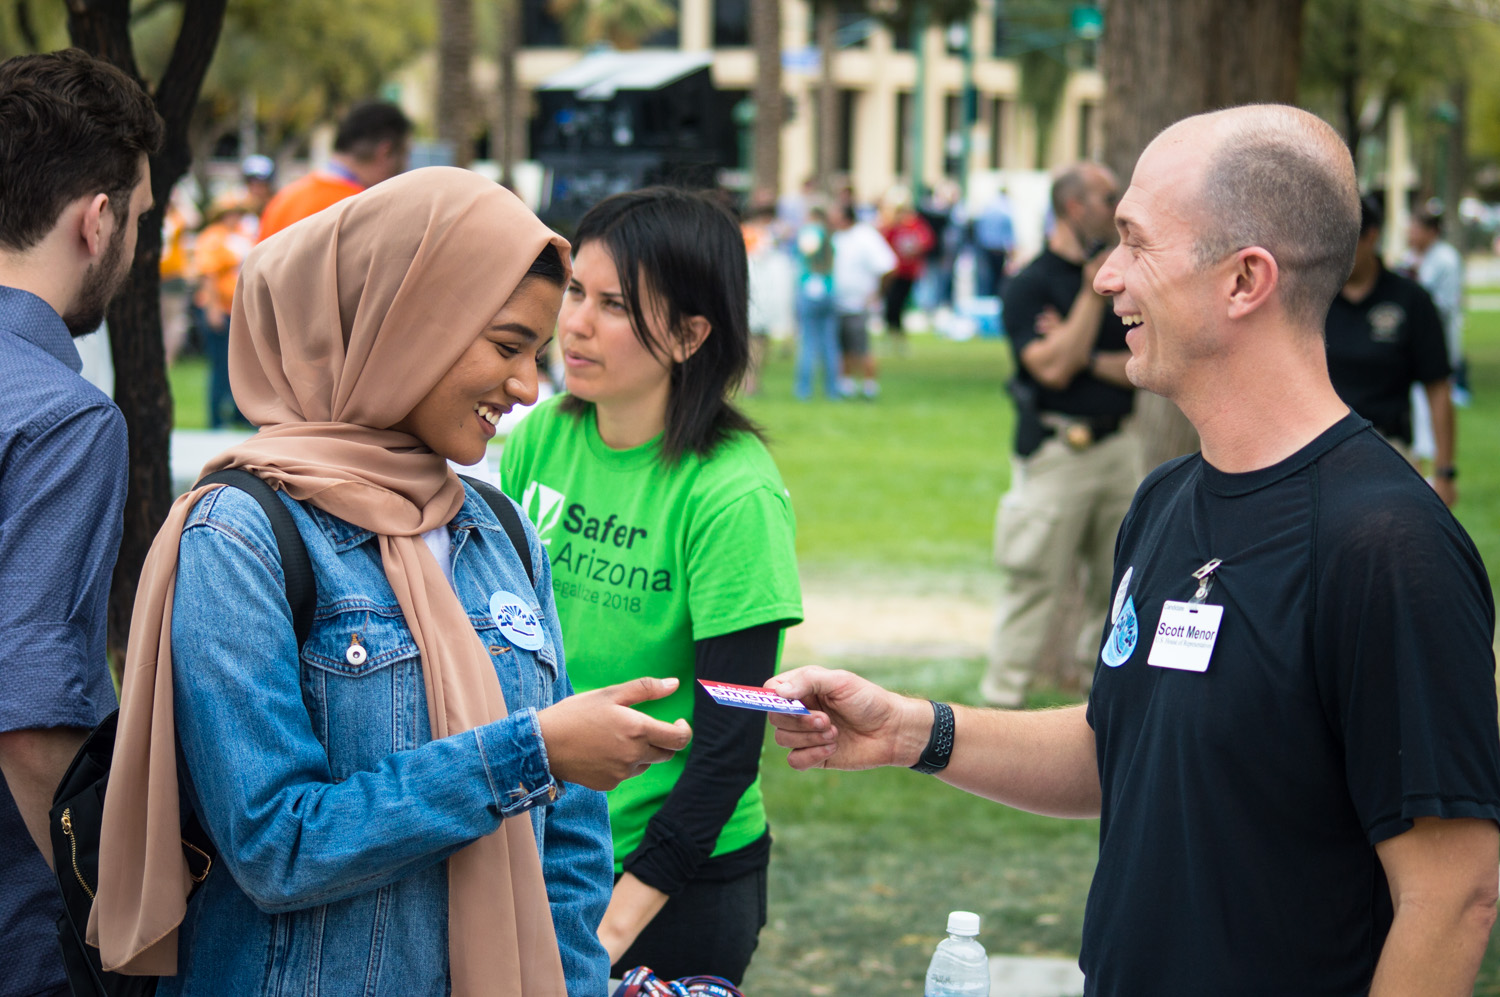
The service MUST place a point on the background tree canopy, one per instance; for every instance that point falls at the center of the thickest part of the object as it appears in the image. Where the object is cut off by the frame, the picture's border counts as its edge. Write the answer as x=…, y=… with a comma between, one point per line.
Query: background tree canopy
x=299, y=62
x=289, y=64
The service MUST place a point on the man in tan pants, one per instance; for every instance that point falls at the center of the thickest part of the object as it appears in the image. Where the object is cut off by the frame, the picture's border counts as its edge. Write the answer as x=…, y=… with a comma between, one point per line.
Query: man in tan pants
x=1076, y=462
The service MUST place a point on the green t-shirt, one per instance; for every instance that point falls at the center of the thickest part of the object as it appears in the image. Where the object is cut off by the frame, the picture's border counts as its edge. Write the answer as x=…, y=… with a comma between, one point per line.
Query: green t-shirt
x=646, y=559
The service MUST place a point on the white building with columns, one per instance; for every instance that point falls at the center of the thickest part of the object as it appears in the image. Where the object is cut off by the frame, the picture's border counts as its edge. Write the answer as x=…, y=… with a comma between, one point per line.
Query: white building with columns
x=876, y=76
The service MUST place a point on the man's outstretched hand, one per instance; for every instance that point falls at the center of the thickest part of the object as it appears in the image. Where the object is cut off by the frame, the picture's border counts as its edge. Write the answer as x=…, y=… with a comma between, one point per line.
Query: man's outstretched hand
x=854, y=723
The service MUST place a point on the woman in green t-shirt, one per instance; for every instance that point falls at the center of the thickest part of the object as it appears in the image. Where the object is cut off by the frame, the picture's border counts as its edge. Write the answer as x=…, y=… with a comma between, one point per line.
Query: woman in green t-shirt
x=671, y=539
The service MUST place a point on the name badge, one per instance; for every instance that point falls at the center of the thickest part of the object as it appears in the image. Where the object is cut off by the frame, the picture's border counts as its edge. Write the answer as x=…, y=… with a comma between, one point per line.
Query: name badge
x=1185, y=636
x=517, y=622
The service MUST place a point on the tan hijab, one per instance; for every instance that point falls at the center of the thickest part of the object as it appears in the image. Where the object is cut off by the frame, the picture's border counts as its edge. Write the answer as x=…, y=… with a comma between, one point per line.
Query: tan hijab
x=341, y=324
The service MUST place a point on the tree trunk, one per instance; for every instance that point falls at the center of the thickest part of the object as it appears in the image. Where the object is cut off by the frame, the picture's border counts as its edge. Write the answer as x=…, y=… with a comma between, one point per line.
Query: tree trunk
x=102, y=27
x=1349, y=84
x=455, y=96
x=765, y=35
x=829, y=126
x=1457, y=163
x=505, y=151
x=1220, y=53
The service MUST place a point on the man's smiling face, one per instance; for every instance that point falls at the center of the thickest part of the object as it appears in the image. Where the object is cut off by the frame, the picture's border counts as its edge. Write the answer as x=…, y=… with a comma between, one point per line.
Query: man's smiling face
x=1165, y=296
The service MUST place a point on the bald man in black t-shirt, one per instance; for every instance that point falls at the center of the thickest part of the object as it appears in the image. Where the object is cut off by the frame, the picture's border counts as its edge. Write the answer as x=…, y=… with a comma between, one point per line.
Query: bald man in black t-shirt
x=1291, y=742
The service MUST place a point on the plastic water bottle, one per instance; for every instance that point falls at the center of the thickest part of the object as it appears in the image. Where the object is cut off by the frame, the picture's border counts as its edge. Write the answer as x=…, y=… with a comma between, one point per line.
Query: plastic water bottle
x=959, y=967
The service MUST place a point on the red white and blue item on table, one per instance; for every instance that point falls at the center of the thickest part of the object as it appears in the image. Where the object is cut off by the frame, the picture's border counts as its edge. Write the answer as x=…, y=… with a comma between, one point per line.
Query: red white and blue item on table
x=641, y=982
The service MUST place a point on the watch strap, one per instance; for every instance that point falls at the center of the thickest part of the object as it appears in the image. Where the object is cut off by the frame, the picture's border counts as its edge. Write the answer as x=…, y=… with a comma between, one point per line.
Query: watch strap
x=939, y=743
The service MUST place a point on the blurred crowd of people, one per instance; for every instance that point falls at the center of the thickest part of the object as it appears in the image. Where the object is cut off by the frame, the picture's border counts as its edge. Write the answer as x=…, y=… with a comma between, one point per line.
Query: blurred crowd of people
x=827, y=272
x=207, y=231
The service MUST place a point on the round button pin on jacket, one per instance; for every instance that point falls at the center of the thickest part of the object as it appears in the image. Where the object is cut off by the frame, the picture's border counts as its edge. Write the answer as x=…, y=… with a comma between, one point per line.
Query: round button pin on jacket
x=516, y=621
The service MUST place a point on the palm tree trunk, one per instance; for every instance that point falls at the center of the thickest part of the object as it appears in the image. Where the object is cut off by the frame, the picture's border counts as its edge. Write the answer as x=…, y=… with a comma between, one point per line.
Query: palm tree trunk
x=455, y=97
x=505, y=143
x=765, y=35
x=829, y=126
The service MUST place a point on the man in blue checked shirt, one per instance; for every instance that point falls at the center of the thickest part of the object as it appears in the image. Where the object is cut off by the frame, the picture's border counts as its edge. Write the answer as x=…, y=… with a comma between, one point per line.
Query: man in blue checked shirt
x=75, y=134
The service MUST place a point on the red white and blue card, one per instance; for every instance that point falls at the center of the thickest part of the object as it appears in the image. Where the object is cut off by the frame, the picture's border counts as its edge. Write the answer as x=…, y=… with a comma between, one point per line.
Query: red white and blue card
x=748, y=697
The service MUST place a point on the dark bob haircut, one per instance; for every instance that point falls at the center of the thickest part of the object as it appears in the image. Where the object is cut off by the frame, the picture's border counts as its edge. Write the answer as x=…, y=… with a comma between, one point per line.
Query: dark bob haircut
x=548, y=266
x=680, y=254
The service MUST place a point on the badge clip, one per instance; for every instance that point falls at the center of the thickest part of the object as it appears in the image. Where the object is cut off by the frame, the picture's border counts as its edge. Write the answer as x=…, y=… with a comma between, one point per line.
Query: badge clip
x=1205, y=578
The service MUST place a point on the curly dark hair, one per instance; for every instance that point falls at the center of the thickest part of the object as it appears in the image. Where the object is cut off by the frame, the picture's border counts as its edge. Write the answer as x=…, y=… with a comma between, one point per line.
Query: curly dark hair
x=70, y=126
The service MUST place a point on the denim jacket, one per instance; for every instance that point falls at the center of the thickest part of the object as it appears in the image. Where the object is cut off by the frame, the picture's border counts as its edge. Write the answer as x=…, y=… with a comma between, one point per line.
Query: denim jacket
x=331, y=806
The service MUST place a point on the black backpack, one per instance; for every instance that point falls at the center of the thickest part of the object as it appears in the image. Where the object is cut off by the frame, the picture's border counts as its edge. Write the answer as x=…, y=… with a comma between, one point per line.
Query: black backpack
x=78, y=804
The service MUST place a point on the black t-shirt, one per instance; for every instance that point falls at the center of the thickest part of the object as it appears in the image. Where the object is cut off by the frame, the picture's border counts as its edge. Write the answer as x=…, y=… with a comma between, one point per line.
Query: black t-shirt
x=1050, y=281
x=1351, y=689
x=1379, y=347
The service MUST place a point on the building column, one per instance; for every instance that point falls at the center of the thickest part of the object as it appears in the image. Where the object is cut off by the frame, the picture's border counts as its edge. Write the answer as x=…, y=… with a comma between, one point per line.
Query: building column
x=696, y=31
x=798, y=140
x=873, y=162
x=934, y=107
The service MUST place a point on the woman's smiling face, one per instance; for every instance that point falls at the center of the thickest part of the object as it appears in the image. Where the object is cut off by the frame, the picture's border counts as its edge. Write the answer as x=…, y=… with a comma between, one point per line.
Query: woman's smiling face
x=498, y=371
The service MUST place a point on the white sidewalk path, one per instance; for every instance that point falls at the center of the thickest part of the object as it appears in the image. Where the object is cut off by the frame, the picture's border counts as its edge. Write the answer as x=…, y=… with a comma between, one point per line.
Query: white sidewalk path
x=1023, y=976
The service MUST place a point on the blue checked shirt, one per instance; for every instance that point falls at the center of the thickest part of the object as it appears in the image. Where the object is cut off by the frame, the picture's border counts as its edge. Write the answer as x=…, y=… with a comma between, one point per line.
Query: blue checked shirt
x=63, y=465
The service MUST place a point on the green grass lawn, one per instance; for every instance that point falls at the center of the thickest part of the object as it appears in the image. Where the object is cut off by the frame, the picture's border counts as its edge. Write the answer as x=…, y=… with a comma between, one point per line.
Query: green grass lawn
x=1479, y=439
x=189, y=381
x=900, y=494
x=907, y=481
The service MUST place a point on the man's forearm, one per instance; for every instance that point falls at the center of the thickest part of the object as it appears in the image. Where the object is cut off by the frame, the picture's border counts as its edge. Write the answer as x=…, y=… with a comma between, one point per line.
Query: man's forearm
x=1433, y=951
x=32, y=763
x=1440, y=404
x=1440, y=401
x=1110, y=366
x=1057, y=358
x=1042, y=761
x=1442, y=876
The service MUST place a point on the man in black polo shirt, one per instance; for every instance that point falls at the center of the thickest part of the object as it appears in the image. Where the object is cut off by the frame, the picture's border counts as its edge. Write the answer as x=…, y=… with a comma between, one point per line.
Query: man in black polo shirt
x=1291, y=740
x=1075, y=464
x=1384, y=334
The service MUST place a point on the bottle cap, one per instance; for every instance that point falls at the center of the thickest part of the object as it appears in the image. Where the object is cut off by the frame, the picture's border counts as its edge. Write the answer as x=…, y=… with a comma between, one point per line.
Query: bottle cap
x=962, y=922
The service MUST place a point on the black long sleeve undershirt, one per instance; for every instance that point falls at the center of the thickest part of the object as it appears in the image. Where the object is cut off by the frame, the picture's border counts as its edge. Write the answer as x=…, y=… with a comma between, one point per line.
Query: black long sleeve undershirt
x=722, y=763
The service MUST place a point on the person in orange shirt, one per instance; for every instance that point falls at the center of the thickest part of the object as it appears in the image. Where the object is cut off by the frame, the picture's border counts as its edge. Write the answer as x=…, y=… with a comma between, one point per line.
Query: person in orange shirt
x=372, y=144
x=178, y=223
x=217, y=255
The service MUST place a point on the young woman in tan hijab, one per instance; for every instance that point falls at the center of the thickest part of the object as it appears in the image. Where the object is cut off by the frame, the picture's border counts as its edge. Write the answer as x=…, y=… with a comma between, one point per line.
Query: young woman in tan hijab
x=400, y=806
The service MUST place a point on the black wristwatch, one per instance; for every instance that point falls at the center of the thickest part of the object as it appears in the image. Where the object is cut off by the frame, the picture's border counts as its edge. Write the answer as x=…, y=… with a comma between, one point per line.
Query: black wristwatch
x=940, y=743
x=1445, y=473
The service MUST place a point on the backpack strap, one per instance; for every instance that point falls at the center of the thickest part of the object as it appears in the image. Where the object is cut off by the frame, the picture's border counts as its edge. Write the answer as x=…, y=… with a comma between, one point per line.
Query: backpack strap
x=301, y=587
x=509, y=518
x=302, y=596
